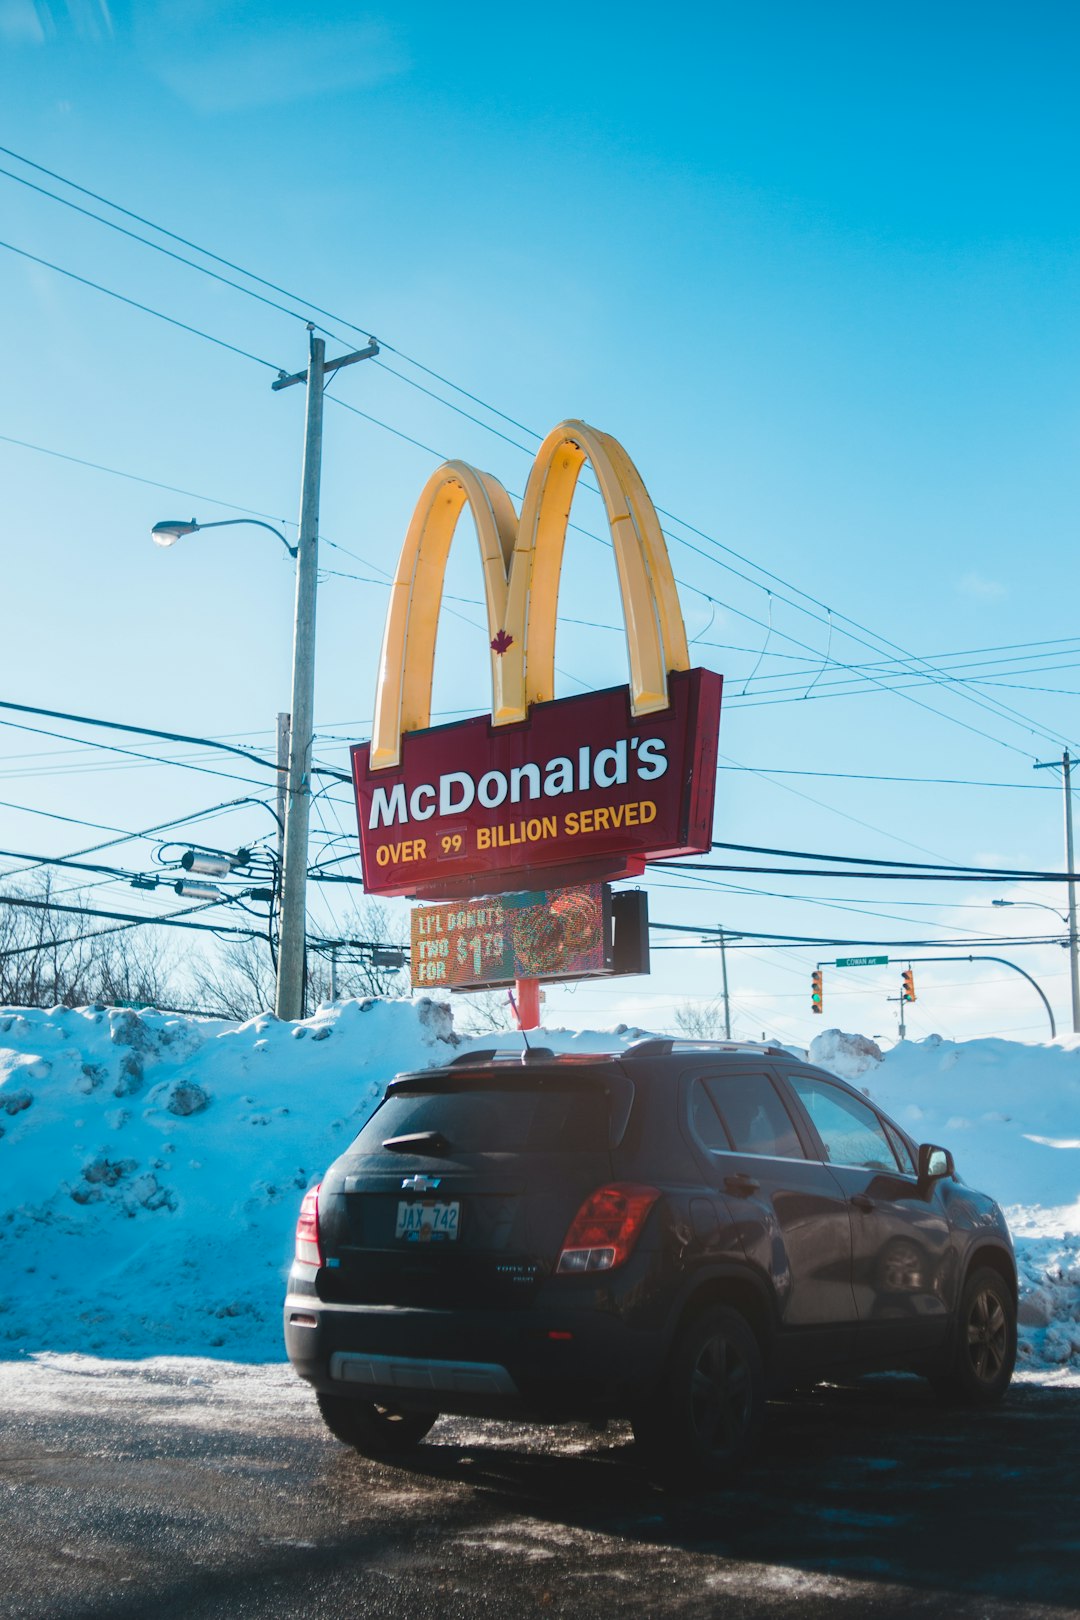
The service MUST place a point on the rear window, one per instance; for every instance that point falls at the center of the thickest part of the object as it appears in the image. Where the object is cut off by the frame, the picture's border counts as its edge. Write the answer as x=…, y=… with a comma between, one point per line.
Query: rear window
x=502, y=1118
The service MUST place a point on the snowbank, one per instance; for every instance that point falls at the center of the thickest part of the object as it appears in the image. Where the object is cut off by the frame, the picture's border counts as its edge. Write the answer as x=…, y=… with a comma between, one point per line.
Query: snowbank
x=151, y=1165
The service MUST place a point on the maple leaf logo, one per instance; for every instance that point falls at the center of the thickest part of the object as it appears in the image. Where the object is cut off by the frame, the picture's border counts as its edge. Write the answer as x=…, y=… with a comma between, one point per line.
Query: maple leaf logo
x=502, y=643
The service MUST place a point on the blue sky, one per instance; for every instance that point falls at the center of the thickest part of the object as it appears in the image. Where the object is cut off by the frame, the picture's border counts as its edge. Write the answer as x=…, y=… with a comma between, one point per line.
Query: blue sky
x=815, y=266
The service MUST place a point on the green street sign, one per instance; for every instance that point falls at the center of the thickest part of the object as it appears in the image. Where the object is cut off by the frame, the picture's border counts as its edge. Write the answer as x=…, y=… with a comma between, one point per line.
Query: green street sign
x=861, y=961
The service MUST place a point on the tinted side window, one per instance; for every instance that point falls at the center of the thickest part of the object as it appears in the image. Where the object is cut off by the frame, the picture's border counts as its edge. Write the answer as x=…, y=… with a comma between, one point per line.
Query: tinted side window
x=754, y=1116
x=851, y=1131
x=705, y=1121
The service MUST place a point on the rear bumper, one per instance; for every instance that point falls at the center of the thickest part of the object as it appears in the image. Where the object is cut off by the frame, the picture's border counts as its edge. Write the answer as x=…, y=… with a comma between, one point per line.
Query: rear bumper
x=545, y=1359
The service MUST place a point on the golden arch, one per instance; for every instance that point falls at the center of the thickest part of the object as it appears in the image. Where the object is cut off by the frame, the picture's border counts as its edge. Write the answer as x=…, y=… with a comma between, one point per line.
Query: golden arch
x=522, y=563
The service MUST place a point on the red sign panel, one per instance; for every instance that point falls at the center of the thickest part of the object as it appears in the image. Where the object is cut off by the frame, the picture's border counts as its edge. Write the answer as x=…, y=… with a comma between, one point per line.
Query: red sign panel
x=580, y=791
x=554, y=934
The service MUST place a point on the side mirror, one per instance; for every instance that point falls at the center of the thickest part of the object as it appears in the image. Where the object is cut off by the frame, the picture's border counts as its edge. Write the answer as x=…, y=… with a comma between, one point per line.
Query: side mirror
x=934, y=1163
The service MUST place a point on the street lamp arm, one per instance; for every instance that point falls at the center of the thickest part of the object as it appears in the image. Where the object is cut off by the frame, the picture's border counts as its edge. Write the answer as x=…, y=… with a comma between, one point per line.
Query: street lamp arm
x=1037, y=905
x=255, y=523
x=165, y=534
x=1004, y=962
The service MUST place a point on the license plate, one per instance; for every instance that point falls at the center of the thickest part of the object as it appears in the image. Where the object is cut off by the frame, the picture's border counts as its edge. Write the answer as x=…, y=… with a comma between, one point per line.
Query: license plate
x=427, y=1222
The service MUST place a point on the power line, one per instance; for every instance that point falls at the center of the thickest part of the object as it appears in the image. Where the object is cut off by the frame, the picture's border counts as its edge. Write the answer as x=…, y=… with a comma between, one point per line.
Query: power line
x=864, y=860
x=960, y=876
x=53, y=815
x=183, y=241
x=148, y=832
x=733, y=940
x=133, y=236
x=129, y=753
x=993, y=707
x=153, y=483
x=143, y=731
x=60, y=860
x=866, y=776
x=134, y=303
x=130, y=917
x=827, y=903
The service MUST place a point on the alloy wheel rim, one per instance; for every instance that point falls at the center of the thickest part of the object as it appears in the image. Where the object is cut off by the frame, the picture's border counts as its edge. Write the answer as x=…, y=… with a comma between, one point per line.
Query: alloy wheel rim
x=987, y=1336
x=721, y=1396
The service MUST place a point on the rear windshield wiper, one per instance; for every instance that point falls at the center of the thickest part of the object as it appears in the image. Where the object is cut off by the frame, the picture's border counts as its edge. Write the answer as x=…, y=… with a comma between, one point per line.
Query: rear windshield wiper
x=418, y=1142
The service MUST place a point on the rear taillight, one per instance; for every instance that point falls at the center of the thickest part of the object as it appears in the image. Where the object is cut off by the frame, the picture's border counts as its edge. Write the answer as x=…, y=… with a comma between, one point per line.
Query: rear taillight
x=606, y=1227
x=307, y=1230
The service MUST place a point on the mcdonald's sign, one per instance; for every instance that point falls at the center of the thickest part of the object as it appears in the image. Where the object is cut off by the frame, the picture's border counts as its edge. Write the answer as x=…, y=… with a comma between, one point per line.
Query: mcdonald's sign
x=546, y=791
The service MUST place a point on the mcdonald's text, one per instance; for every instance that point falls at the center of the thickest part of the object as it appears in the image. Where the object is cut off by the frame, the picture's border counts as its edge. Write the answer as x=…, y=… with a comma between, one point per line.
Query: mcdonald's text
x=557, y=798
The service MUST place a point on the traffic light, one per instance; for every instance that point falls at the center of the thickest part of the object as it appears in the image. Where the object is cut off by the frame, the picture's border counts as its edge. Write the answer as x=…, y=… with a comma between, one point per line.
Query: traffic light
x=907, y=986
x=815, y=990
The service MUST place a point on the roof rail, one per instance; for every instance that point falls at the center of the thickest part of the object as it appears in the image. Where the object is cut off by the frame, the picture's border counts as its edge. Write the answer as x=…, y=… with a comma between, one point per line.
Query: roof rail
x=502, y=1054
x=665, y=1045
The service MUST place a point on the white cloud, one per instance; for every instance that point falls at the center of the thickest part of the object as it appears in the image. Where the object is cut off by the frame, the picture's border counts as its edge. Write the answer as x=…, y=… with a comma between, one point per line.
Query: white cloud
x=20, y=23
x=216, y=59
x=982, y=589
x=34, y=22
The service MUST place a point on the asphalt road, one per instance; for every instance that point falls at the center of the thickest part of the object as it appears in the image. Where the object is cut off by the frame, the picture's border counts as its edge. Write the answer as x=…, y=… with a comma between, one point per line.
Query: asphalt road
x=196, y=1489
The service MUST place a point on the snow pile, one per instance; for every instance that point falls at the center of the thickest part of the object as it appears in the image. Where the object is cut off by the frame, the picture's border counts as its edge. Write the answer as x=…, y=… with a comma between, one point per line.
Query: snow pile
x=152, y=1165
x=1011, y=1116
x=849, y=1056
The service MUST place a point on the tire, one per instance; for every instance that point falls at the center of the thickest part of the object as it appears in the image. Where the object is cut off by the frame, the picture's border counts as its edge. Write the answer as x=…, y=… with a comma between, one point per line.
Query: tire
x=374, y=1431
x=703, y=1425
x=985, y=1351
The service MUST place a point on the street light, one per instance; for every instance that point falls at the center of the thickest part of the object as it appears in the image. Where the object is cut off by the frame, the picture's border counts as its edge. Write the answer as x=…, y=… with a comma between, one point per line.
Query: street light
x=291, y=955
x=174, y=529
x=1038, y=905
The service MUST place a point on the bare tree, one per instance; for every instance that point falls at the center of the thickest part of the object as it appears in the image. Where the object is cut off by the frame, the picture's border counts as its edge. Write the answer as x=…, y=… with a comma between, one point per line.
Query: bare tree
x=237, y=980
x=484, y=1012
x=701, y=1020
x=376, y=963
x=52, y=958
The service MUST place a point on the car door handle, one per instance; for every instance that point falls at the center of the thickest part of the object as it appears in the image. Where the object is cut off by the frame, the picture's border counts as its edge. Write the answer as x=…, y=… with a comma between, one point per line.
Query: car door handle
x=861, y=1201
x=740, y=1186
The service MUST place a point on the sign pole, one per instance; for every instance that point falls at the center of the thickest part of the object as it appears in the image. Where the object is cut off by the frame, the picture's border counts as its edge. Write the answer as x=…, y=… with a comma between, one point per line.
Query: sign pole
x=527, y=1003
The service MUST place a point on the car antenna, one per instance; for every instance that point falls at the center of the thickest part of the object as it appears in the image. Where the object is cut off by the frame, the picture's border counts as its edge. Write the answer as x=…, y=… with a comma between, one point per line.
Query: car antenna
x=524, y=1036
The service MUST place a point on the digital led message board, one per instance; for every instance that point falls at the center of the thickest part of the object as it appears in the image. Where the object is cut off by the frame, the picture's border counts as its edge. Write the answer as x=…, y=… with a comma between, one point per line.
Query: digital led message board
x=546, y=934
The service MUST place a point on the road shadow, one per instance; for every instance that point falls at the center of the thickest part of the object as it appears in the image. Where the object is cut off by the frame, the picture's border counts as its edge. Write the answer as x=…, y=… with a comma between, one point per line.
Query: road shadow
x=872, y=1481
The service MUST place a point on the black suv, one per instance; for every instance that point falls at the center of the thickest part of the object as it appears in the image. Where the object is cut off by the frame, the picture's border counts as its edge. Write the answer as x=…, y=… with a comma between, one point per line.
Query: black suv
x=667, y=1234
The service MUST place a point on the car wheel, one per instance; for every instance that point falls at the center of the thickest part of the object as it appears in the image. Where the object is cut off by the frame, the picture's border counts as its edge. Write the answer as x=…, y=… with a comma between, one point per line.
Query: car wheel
x=375, y=1431
x=704, y=1422
x=985, y=1342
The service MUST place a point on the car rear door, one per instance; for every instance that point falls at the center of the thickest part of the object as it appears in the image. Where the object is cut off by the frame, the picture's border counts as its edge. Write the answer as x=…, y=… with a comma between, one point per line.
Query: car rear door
x=791, y=1216
x=899, y=1232
x=470, y=1201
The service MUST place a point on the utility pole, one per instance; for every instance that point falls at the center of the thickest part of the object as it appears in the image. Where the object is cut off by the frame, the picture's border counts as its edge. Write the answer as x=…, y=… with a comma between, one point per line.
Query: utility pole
x=723, y=975
x=283, y=728
x=1066, y=769
x=292, y=944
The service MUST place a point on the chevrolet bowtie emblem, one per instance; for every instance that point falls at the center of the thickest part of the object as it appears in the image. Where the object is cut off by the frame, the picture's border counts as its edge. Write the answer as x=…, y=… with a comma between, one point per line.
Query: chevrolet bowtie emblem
x=420, y=1183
